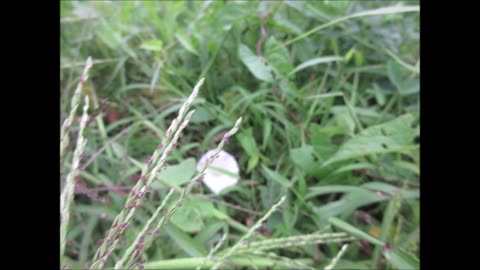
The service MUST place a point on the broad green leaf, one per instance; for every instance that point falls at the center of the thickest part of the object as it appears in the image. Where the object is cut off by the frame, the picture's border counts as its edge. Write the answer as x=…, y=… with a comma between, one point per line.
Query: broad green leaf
x=274, y=176
x=392, y=136
x=277, y=56
x=400, y=78
x=316, y=61
x=186, y=42
x=402, y=260
x=203, y=114
x=395, y=74
x=309, y=158
x=187, y=217
x=190, y=216
x=254, y=64
x=152, y=45
x=354, y=231
x=176, y=175
x=305, y=158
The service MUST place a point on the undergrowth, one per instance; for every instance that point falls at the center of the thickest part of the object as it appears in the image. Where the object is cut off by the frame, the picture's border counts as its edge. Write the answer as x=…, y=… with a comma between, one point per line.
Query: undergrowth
x=328, y=146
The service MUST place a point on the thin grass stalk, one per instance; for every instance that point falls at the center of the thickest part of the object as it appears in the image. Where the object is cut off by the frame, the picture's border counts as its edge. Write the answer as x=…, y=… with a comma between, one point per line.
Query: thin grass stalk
x=143, y=233
x=75, y=103
x=189, y=186
x=248, y=234
x=66, y=197
x=136, y=197
x=213, y=251
x=294, y=242
x=134, y=201
x=337, y=258
x=291, y=264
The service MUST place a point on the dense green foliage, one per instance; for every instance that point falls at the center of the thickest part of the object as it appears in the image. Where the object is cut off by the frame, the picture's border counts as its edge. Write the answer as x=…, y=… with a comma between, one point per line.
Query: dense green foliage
x=330, y=119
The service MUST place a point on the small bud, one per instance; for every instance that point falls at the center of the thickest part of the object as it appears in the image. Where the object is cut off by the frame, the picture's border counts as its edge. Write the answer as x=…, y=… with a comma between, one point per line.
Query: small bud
x=197, y=183
x=264, y=226
x=226, y=138
x=124, y=226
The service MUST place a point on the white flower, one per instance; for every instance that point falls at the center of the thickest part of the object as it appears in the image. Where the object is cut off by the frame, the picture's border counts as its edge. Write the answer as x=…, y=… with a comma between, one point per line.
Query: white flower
x=222, y=173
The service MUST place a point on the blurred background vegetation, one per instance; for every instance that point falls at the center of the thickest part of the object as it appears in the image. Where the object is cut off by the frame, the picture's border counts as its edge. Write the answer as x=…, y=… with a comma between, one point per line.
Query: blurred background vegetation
x=330, y=118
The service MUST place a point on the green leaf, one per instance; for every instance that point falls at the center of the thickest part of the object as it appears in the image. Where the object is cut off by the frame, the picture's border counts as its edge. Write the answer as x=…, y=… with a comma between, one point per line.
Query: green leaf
x=247, y=141
x=277, y=56
x=186, y=42
x=354, y=166
x=354, y=231
x=304, y=158
x=391, y=190
x=184, y=241
x=392, y=136
x=253, y=162
x=209, y=231
x=349, y=54
x=271, y=175
x=203, y=114
x=285, y=25
x=189, y=217
x=316, y=61
x=400, y=78
x=402, y=260
x=355, y=197
x=152, y=45
x=351, y=201
x=395, y=74
x=179, y=174
x=231, y=12
x=317, y=191
x=254, y=64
